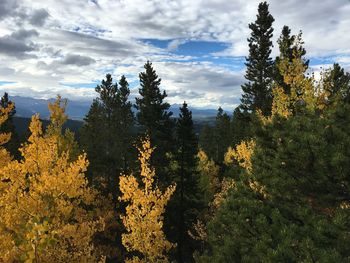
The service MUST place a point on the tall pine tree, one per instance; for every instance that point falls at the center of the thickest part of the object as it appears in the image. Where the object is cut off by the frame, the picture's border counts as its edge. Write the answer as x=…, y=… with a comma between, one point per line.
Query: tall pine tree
x=106, y=135
x=257, y=91
x=336, y=83
x=153, y=117
x=186, y=204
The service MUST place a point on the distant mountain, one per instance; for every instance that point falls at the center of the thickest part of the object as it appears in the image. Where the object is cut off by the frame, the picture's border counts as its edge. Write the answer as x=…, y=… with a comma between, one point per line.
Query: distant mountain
x=26, y=107
x=76, y=110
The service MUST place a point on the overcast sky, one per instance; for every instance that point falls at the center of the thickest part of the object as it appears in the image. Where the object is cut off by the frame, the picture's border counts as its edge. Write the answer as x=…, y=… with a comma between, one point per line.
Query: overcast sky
x=197, y=47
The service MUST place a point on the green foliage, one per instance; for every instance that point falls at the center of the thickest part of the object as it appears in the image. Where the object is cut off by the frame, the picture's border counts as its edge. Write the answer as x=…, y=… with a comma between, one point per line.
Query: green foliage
x=336, y=84
x=223, y=134
x=153, y=117
x=107, y=133
x=287, y=49
x=186, y=204
x=214, y=141
x=303, y=213
x=257, y=91
x=240, y=126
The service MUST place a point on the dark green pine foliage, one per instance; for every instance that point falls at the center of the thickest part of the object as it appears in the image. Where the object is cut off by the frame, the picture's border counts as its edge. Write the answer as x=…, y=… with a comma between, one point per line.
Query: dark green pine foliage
x=304, y=215
x=8, y=127
x=240, y=126
x=186, y=204
x=153, y=118
x=337, y=84
x=107, y=133
x=126, y=121
x=207, y=140
x=260, y=67
x=223, y=135
x=287, y=49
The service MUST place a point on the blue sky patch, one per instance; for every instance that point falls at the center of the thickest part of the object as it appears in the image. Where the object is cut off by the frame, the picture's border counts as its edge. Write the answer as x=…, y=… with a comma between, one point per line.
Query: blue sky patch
x=2, y=83
x=80, y=85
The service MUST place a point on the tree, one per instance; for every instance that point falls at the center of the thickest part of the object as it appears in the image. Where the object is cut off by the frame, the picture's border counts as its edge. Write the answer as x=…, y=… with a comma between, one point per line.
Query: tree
x=153, y=117
x=301, y=92
x=5, y=156
x=302, y=214
x=223, y=134
x=144, y=213
x=209, y=181
x=186, y=204
x=126, y=120
x=240, y=126
x=207, y=141
x=8, y=126
x=336, y=84
x=257, y=91
x=44, y=200
x=107, y=133
x=291, y=48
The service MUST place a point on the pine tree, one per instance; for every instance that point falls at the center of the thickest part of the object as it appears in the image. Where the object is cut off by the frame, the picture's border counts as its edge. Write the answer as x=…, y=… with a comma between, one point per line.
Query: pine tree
x=107, y=133
x=126, y=122
x=184, y=208
x=223, y=134
x=257, y=91
x=153, y=117
x=300, y=210
x=8, y=127
x=240, y=126
x=336, y=84
x=207, y=141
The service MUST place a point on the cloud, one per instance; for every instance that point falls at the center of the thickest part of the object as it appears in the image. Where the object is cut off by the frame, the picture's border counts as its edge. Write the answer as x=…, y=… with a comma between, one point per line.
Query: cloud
x=7, y=7
x=47, y=42
x=38, y=17
x=15, y=44
x=77, y=60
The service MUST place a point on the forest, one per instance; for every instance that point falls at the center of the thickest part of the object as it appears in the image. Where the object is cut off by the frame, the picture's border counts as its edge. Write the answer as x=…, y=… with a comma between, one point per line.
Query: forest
x=269, y=183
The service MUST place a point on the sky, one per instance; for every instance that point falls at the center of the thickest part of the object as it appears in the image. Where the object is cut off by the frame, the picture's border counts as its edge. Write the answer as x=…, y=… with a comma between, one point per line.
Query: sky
x=197, y=47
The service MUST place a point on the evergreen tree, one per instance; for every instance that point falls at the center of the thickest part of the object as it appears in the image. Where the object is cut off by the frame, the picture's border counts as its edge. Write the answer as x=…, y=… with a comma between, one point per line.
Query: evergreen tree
x=240, y=126
x=153, y=117
x=107, y=133
x=186, y=204
x=207, y=141
x=257, y=91
x=293, y=205
x=8, y=127
x=336, y=83
x=126, y=122
x=223, y=134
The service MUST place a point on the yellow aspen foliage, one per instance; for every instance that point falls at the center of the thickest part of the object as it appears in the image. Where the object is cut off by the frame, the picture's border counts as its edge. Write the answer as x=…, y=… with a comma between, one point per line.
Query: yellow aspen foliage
x=209, y=176
x=281, y=103
x=66, y=141
x=44, y=204
x=5, y=157
x=242, y=154
x=302, y=88
x=226, y=185
x=144, y=213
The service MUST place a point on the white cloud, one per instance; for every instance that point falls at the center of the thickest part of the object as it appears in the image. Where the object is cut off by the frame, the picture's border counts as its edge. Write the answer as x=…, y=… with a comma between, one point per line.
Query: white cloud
x=45, y=43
